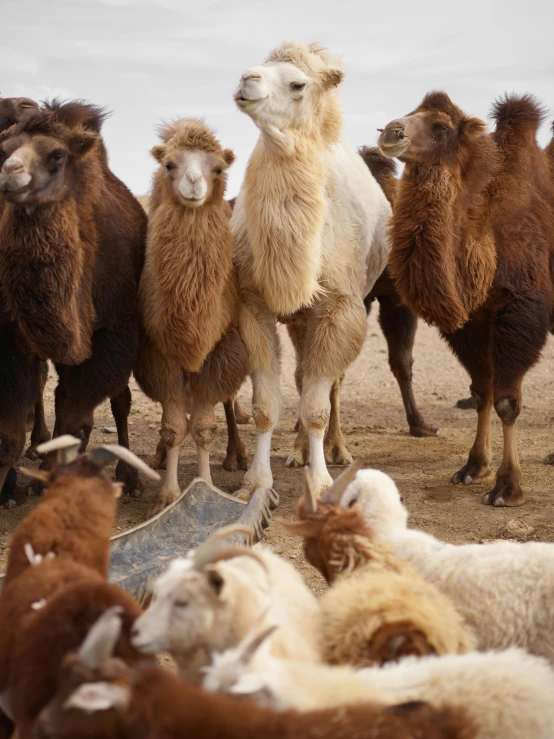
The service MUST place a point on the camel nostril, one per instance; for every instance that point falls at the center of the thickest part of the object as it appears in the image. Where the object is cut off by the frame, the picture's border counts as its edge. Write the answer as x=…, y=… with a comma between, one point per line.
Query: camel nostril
x=400, y=134
x=246, y=77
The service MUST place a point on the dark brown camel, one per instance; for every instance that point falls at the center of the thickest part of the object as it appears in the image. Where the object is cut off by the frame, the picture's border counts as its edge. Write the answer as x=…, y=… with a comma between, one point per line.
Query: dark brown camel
x=22, y=376
x=471, y=252
x=71, y=253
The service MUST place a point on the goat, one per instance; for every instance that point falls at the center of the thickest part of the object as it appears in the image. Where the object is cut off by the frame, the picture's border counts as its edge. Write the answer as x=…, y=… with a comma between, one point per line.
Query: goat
x=209, y=600
x=378, y=607
x=118, y=702
x=76, y=514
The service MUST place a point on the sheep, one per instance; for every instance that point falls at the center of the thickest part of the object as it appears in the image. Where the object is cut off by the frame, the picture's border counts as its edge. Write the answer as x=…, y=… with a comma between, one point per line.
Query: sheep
x=76, y=514
x=507, y=695
x=378, y=607
x=116, y=702
x=44, y=613
x=209, y=600
x=503, y=589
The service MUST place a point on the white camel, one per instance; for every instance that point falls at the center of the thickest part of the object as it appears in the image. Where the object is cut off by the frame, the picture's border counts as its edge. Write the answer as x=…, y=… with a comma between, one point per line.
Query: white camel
x=309, y=227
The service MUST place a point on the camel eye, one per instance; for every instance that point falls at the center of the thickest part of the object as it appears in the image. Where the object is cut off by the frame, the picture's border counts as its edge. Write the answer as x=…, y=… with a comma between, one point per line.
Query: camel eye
x=57, y=157
x=297, y=86
x=181, y=603
x=218, y=170
x=440, y=129
x=169, y=166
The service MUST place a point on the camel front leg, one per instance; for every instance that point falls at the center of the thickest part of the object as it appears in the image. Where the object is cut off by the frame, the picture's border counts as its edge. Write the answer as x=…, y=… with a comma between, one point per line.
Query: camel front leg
x=173, y=432
x=237, y=456
x=315, y=410
x=203, y=426
x=258, y=331
x=477, y=468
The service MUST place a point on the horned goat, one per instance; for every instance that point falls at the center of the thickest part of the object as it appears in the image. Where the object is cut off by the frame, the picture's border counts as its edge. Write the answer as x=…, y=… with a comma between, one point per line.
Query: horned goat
x=378, y=607
x=507, y=695
x=116, y=702
x=209, y=600
x=502, y=589
x=76, y=514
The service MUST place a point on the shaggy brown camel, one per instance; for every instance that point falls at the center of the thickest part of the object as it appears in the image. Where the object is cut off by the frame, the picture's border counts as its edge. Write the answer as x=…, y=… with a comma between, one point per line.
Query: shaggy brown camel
x=398, y=324
x=22, y=376
x=471, y=252
x=71, y=252
x=189, y=295
x=309, y=227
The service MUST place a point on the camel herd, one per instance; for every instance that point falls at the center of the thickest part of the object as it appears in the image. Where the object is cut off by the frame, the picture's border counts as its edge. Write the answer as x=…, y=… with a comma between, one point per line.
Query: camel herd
x=189, y=298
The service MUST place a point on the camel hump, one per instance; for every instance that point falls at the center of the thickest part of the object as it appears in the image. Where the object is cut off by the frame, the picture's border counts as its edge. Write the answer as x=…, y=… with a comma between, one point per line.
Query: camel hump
x=518, y=114
x=379, y=165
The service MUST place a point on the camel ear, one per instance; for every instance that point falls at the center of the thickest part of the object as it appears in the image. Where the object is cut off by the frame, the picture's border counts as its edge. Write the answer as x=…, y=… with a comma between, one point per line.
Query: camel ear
x=158, y=152
x=80, y=143
x=331, y=78
x=473, y=128
x=228, y=157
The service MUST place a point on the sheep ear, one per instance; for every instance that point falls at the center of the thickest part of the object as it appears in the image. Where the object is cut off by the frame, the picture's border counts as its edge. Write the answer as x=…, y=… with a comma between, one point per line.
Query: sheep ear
x=473, y=128
x=100, y=642
x=93, y=697
x=331, y=77
x=42, y=475
x=228, y=157
x=158, y=152
x=215, y=580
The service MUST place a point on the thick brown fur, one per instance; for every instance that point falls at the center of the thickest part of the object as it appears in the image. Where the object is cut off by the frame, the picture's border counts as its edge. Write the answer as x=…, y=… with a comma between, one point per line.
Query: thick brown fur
x=73, y=519
x=378, y=608
x=165, y=707
x=472, y=249
x=68, y=599
x=70, y=267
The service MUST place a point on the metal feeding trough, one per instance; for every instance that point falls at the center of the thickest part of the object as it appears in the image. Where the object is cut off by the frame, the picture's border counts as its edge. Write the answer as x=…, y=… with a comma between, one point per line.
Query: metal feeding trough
x=140, y=553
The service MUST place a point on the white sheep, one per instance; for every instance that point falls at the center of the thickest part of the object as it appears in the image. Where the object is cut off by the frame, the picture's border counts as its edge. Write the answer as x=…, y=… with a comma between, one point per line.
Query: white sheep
x=507, y=695
x=210, y=600
x=503, y=590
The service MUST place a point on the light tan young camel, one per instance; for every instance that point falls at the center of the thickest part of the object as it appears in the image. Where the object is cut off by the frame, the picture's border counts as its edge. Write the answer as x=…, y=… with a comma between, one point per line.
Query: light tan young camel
x=191, y=355
x=309, y=227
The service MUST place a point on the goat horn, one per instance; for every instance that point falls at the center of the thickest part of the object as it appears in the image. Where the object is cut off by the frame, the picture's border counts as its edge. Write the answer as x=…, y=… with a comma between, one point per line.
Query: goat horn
x=103, y=455
x=101, y=639
x=203, y=554
x=256, y=642
x=66, y=446
x=310, y=499
x=334, y=494
x=223, y=553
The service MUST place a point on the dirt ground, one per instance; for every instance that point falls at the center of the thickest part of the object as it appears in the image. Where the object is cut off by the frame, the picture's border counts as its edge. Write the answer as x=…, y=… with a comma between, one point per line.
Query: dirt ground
x=374, y=425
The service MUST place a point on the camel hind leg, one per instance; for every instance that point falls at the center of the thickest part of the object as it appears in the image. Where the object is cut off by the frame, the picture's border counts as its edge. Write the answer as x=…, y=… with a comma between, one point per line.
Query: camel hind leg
x=39, y=432
x=121, y=407
x=335, y=444
x=237, y=456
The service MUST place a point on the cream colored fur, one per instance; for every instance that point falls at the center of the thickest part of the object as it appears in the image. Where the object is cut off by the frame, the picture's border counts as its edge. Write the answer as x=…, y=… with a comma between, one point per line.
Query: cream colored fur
x=309, y=226
x=508, y=695
x=213, y=620
x=503, y=590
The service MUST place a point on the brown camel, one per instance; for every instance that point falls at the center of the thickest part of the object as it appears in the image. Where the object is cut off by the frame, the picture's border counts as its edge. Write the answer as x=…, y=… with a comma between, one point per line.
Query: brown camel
x=398, y=324
x=189, y=295
x=471, y=252
x=71, y=252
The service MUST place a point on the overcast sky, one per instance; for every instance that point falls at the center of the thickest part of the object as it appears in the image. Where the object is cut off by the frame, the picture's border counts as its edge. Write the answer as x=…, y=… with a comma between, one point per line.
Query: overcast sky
x=150, y=60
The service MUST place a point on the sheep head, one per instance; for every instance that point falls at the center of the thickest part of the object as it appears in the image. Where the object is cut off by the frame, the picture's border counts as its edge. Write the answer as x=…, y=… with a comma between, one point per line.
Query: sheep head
x=198, y=604
x=68, y=462
x=336, y=536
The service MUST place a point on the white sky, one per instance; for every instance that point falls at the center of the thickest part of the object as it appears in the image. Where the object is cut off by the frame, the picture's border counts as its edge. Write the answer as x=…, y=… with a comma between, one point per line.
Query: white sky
x=148, y=60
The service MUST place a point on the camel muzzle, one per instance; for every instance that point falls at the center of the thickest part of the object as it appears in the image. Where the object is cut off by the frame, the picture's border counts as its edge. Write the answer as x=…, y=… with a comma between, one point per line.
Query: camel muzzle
x=14, y=176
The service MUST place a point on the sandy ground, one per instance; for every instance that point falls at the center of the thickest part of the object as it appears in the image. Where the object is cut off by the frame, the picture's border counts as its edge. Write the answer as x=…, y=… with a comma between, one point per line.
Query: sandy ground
x=374, y=425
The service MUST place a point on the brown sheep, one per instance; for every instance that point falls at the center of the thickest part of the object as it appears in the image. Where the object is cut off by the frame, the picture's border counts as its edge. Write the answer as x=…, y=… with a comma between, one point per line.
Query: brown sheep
x=71, y=252
x=378, y=608
x=189, y=294
x=118, y=702
x=471, y=252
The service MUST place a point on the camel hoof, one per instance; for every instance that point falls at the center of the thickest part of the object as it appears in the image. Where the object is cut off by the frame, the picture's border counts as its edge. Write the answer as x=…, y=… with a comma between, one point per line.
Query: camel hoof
x=424, y=431
x=467, y=404
x=338, y=454
x=158, y=462
x=505, y=494
x=297, y=458
x=230, y=464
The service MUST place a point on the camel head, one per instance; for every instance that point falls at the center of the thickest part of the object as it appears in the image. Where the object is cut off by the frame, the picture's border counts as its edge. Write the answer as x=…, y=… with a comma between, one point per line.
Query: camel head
x=434, y=133
x=294, y=89
x=192, y=160
x=39, y=159
x=14, y=110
